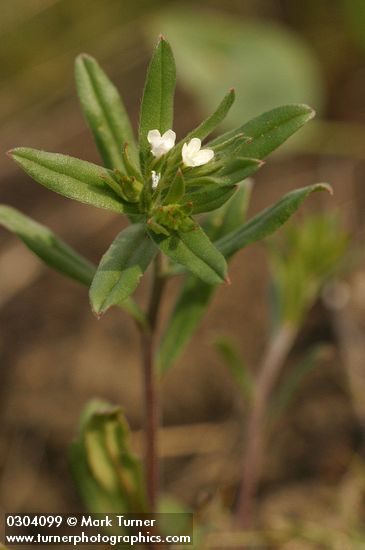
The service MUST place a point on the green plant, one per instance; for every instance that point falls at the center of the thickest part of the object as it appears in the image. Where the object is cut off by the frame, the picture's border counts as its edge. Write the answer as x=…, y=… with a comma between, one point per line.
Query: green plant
x=159, y=187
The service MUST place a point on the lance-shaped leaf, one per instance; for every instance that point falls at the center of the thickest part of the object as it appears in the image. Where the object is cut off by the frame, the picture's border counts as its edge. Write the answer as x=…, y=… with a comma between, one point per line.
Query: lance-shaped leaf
x=209, y=198
x=267, y=221
x=157, y=108
x=121, y=268
x=195, y=251
x=56, y=253
x=104, y=112
x=195, y=295
x=268, y=131
x=107, y=474
x=44, y=243
x=71, y=177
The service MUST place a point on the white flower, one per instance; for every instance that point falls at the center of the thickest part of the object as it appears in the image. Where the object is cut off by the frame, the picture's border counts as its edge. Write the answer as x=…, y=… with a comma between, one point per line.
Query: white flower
x=193, y=155
x=155, y=179
x=161, y=144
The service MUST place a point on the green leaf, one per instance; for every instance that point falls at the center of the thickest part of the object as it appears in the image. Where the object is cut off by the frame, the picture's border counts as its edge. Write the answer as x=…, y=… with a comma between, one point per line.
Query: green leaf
x=121, y=268
x=210, y=197
x=44, y=243
x=176, y=190
x=157, y=108
x=269, y=130
x=195, y=295
x=104, y=112
x=71, y=177
x=238, y=169
x=195, y=251
x=107, y=474
x=56, y=253
x=267, y=221
x=237, y=367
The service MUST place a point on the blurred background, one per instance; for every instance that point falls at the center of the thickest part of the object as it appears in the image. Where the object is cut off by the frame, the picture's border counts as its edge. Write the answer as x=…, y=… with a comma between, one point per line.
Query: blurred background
x=55, y=355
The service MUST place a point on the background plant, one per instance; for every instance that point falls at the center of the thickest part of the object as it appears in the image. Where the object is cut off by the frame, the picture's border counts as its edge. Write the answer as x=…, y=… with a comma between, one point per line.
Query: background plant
x=303, y=258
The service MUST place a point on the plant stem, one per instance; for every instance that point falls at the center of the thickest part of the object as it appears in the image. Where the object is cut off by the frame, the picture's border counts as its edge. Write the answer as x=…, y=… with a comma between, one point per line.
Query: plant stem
x=276, y=353
x=151, y=387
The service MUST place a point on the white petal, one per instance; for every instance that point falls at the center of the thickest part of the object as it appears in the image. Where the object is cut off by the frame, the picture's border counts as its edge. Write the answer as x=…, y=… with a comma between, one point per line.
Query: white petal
x=153, y=136
x=203, y=156
x=185, y=153
x=194, y=145
x=168, y=144
x=158, y=150
x=169, y=135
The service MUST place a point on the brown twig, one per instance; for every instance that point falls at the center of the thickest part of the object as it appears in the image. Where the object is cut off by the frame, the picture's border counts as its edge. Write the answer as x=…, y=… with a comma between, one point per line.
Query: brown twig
x=277, y=351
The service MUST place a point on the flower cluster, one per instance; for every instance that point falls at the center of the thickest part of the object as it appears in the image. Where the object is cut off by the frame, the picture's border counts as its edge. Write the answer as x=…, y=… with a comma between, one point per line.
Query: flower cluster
x=192, y=153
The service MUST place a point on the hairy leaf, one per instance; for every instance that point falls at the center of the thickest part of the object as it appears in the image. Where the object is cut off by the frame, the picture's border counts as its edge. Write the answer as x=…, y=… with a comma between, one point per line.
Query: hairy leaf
x=267, y=221
x=71, y=177
x=269, y=130
x=44, y=243
x=195, y=251
x=56, y=253
x=158, y=96
x=209, y=198
x=121, y=268
x=104, y=112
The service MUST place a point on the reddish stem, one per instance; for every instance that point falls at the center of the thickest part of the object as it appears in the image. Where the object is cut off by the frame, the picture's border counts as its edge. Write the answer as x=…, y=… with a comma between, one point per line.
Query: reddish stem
x=151, y=388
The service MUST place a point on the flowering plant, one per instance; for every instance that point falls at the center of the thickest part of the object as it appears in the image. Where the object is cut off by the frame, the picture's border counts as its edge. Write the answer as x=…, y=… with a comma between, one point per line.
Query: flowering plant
x=160, y=186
